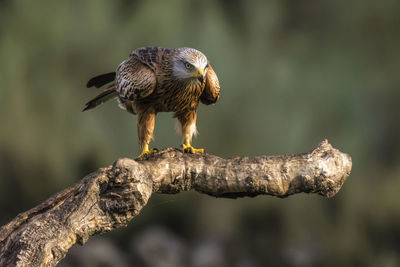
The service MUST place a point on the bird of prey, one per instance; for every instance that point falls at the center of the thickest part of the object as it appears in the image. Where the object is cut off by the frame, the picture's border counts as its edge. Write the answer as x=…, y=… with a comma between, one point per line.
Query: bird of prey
x=155, y=79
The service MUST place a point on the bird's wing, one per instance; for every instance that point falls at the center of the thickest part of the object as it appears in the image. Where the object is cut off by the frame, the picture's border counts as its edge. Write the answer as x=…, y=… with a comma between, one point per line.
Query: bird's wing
x=211, y=91
x=134, y=79
x=152, y=56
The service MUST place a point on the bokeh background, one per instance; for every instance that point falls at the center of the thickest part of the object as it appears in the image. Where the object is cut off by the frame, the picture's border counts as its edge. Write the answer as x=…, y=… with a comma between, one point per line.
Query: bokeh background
x=292, y=73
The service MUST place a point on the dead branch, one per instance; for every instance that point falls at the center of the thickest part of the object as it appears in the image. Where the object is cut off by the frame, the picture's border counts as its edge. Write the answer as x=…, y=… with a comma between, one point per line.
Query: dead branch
x=112, y=196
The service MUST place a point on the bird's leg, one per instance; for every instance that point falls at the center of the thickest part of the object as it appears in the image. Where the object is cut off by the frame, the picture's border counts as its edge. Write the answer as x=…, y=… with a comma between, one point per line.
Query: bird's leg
x=187, y=147
x=188, y=124
x=146, y=151
x=146, y=121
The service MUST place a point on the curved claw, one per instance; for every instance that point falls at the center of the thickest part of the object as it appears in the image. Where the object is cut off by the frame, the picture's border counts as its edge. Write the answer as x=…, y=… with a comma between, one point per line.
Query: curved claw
x=147, y=153
x=187, y=148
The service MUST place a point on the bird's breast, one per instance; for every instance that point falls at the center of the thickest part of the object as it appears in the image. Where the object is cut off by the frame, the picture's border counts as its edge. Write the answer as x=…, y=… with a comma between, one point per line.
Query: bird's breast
x=175, y=97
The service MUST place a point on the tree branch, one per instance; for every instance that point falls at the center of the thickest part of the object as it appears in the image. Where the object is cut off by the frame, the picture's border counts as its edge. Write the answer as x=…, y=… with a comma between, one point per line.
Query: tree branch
x=112, y=196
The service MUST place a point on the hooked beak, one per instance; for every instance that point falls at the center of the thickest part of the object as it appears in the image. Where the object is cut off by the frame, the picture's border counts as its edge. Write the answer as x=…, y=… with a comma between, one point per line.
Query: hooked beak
x=200, y=75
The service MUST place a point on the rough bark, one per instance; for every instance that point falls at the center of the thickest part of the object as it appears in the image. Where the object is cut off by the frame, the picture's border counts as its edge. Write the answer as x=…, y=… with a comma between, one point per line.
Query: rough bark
x=112, y=196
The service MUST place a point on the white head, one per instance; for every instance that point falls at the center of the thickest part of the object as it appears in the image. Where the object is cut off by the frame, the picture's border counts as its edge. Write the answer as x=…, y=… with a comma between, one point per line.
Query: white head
x=189, y=64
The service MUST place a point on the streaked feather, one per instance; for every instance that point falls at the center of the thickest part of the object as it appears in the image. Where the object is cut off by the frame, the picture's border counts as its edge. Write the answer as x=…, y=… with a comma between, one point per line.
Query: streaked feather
x=211, y=91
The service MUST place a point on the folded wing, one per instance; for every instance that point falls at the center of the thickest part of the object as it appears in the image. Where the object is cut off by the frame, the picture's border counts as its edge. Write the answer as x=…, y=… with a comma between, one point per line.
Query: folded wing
x=211, y=91
x=134, y=79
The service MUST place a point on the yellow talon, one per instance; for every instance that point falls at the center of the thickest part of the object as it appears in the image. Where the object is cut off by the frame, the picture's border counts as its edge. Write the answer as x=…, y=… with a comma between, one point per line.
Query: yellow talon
x=146, y=152
x=187, y=147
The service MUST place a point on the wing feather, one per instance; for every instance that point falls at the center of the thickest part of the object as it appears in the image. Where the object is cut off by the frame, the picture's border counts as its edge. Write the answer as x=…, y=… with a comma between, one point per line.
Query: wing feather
x=152, y=56
x=211, y=90
x=135, y=80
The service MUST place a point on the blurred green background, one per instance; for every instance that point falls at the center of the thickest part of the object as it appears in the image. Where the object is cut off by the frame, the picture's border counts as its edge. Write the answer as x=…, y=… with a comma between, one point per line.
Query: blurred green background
x=292, y=73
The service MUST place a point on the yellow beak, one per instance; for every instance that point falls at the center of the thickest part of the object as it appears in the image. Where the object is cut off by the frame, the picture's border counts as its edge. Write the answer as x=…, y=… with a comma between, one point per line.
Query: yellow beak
x=200, y=72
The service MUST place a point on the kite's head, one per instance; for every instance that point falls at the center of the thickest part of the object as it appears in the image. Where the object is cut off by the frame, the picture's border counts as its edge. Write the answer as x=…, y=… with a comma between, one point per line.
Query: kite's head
x=189, y=63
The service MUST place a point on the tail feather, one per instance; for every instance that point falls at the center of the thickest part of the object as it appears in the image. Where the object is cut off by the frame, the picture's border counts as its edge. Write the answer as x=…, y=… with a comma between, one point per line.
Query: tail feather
x=101, y=80
x=108, y=94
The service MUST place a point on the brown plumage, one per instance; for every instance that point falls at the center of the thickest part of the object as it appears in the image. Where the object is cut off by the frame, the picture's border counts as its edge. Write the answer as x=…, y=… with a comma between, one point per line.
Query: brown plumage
x=155, y=79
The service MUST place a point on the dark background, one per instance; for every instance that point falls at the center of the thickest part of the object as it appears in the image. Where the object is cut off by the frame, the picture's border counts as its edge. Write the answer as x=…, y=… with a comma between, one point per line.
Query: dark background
x=292, y=73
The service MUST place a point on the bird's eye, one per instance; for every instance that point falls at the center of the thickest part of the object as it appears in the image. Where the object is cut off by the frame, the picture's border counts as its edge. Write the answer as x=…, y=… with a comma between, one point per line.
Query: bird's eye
x=188, y=65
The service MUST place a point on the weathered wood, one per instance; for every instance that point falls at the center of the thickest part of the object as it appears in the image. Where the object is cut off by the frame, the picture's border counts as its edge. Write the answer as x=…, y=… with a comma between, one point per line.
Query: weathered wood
x=112, y=196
